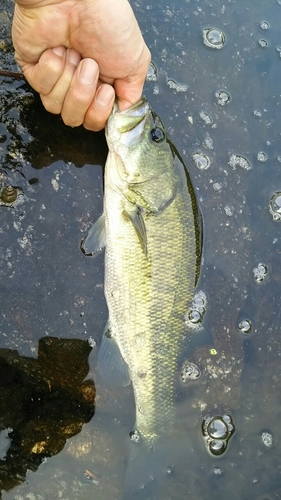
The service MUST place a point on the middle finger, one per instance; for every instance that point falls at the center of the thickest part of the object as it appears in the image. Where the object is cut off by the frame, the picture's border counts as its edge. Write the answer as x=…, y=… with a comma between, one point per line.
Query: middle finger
x=80, y=93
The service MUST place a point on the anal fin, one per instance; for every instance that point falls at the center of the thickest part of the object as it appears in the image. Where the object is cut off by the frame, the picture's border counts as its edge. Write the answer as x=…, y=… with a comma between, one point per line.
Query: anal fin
x=111, y=365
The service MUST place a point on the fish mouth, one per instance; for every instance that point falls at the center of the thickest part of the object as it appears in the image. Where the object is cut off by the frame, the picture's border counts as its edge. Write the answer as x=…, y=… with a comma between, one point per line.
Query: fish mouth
x=129, y=124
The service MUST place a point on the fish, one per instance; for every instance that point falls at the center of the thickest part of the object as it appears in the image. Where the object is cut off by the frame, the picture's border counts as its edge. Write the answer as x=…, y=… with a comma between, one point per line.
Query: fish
x=150, y=229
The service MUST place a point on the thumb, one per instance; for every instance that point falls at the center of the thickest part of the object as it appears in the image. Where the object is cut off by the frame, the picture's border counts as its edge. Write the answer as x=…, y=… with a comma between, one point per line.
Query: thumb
x=128, y=93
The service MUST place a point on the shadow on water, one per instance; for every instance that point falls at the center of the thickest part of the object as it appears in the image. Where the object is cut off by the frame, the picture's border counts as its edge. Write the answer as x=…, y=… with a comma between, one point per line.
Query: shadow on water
x=222, y=109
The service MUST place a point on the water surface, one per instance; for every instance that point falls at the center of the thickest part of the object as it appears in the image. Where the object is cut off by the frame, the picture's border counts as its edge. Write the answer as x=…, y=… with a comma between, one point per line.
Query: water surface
x=222, y=109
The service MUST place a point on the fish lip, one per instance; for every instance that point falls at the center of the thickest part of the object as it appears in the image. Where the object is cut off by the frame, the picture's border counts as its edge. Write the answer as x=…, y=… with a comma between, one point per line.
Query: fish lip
x=139, y=109
x=127, y=126
x=137, y=112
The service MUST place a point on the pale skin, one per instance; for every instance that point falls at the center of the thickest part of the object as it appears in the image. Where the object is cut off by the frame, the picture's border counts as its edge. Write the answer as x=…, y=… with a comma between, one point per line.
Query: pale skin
x=79, y=55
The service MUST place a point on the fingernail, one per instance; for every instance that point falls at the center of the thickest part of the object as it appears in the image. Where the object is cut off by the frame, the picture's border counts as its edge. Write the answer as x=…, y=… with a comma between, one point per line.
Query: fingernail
x=73, y=56
x=88, y=72
x=105, y=95
x=59, y=51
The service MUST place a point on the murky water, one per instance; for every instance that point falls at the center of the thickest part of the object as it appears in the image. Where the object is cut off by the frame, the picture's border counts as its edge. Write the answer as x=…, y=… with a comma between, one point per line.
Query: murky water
x=221, y=104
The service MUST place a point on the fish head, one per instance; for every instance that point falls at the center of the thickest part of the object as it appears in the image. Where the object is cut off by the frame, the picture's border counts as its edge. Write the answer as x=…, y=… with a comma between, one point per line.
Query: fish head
x=138, y=141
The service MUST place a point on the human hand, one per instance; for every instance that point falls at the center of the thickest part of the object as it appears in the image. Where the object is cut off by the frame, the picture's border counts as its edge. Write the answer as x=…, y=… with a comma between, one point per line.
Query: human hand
x=78, y=55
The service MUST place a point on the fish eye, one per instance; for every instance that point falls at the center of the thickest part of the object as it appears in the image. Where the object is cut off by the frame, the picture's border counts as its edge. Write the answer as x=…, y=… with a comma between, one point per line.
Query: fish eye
x=157, y=134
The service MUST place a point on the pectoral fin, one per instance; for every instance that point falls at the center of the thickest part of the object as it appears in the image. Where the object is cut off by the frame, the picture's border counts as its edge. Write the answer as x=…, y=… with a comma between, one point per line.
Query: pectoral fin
x=112, y=367
x=96, y=238
x=136, y=218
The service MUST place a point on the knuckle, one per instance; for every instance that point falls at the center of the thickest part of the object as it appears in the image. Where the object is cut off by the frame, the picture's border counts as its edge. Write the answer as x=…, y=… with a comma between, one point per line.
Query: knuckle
x=51, y=105
x=94, y=121
x=70, y=120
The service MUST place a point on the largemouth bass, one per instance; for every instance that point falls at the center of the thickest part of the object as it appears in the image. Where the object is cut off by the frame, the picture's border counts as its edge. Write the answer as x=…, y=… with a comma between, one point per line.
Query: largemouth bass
x=149, y=228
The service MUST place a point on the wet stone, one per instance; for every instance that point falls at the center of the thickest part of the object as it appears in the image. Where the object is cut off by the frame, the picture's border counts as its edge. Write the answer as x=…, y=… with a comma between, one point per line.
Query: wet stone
x=214, y=38
x=275, y=206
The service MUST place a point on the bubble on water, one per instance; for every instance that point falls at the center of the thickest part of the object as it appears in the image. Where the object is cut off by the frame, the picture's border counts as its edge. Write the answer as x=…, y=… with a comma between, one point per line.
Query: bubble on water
x=206, y=117
x=201, y=161
x=217, y=429
x=267, y=439
x=178, y=87
x=194, y=316
x=263, y=43
x=170, y=469
x=223, y=97
x=152, y=74
x=260, y=272
x=199, y=301
x=264, y=25
x=239, y=161
x=189, y=371
x=217, y=446
x=275, y=206
x=229, y=210
x=217, y=471
x=217, y=186
x=257, y=112
x=227, y=419
x=261, y=156
x=156, y=90
x=279, y=159
x=208, y=142
x=214, y=38
x=135, y=436
x=245, y=326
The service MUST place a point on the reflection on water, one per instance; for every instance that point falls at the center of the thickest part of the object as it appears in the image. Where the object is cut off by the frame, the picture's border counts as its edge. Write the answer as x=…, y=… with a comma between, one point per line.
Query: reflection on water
x=44, y=402
x=222, y=110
